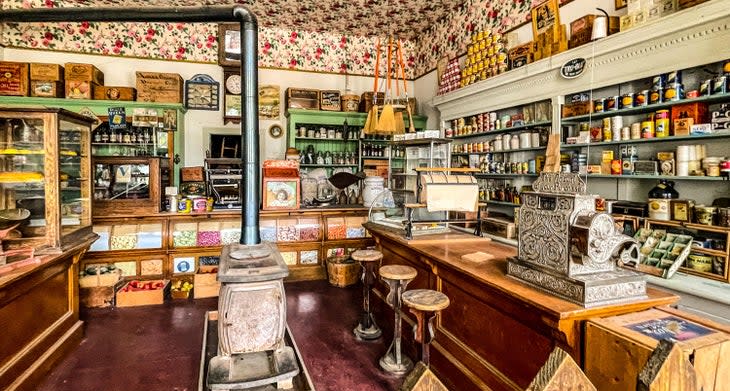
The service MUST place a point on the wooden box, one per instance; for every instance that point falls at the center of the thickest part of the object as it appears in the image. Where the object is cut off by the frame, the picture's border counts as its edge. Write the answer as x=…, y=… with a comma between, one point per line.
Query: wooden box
x=521, y=55
x=13, y=78
x=329, y=100
x=84, y=72
x=580, y=31
x=192, y=174
x=576, y=108
x=205, y=282
x=682, y=4
x=696, y=111
x=47, y=72
x=618, y=347
x=79, y=89
x=366, y=101
x=99, y=296
x=47, y=88
x=115, y=93
x=499, y=227
x=144, y=297
x=300, y=98
x=159, y=87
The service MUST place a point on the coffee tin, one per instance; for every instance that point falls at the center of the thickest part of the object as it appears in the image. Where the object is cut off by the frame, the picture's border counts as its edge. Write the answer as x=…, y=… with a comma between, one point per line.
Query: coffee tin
x=706, y=87
x=647, y=129
x=184, y=205
x=199, y=204
x=642, y=98
x=599, y=105
x=627, y=100
x=656, y=96
x=612, y=103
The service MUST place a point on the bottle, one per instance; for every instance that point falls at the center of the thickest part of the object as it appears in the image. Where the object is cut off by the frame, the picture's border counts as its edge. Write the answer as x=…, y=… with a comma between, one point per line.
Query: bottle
x=113, y=136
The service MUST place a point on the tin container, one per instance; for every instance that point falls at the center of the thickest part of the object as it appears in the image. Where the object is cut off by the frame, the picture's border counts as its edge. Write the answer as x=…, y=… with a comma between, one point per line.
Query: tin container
x=647, y=129
x=616, y=167
x=662, y=127
x=635, y=131
x=184, y=205
x=625, y=133
x=599, y=105
x=723, y=217
x=659, y=81
x=612, y=103
x=673, y=92
x=706, y=87
x=199, y=204
x=660, y=209
x=642, y=98
x=628, y=100
x=719, y=85
x=705, y=214
x=656, y=96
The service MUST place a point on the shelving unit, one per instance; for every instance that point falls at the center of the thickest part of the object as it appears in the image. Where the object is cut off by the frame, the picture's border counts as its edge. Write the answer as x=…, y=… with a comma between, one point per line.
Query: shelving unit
x=506, y=130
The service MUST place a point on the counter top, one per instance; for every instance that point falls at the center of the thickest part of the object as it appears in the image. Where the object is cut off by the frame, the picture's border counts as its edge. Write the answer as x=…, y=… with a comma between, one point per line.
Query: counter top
x=239, y=212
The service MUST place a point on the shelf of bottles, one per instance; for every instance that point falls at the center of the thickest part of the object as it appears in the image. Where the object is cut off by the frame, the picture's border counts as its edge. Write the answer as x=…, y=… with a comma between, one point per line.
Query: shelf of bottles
x=329, y=147
x=129, y=141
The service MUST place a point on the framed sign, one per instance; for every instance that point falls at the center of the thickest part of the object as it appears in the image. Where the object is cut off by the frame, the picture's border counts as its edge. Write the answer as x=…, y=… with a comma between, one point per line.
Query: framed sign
x=281, y=194
x=546, y=16
x=620, y=4
x=201, y=93
x=229, y=44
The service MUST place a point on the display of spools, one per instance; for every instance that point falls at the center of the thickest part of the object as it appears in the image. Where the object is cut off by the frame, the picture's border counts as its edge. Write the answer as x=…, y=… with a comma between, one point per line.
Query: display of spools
x=689, y=158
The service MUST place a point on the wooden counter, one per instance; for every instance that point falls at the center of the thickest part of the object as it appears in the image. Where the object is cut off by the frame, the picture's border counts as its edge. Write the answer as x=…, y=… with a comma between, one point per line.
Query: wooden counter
x=39, y=316
x=498, y=331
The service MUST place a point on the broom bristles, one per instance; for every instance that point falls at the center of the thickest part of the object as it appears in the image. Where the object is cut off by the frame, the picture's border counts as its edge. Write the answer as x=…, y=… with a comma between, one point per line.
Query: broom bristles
x=400, y=125
x=372, y=120
x=386, y=122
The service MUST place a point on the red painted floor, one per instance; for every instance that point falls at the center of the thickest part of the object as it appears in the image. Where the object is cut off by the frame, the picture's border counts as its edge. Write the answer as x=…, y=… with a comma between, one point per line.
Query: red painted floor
x=155, y=348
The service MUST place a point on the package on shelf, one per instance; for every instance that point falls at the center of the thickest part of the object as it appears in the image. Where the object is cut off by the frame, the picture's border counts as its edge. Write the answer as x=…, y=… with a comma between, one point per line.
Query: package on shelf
x=521, y=55
x=79, y=89
x=13, y=78
x=83, y=72
x=47, y=89
x=124, y=237
x=114, y=93
x=281, y=168
x=46, y=72
x=486, y=57
x=581, y=30
x=142, y=292
x=366, y=100
x=720, y=116
x=301, y=98
x=159, y=87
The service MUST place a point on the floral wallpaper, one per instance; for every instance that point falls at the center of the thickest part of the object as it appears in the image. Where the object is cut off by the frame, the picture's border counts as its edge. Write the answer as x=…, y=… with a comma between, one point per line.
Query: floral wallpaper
x=283, y=48
x=451, y=36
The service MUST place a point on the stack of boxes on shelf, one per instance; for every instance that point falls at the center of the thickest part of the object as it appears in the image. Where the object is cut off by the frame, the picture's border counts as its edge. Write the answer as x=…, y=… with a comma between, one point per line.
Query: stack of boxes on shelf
x=486, y=57
x=643, y=11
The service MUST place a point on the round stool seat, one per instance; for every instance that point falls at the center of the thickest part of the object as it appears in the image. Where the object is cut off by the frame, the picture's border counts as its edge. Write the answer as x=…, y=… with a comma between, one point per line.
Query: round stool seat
x=367, y=255
x=425, y=299
x=398, y=272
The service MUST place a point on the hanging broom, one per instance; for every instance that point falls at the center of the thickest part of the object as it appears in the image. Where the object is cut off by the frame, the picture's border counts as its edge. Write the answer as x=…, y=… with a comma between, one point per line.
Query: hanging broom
x=372, y=118
x=386, y=122
x=400, y=125
x=411, y=126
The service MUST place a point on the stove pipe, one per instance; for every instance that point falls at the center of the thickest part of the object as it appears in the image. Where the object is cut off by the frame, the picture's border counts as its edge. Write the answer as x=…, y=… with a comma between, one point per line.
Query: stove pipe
x=249, y=74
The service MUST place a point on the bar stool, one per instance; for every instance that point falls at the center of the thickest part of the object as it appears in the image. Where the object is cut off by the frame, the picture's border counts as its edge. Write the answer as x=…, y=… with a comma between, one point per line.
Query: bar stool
x=397, y=277
x=425, y=304
x=369, y=260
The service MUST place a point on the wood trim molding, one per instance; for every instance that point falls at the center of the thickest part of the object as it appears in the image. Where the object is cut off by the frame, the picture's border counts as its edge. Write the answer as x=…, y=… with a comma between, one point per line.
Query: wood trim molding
x=686, y=39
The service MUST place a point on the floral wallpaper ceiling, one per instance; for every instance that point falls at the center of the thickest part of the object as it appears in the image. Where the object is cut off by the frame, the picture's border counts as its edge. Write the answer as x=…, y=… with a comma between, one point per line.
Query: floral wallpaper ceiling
x=309, y=35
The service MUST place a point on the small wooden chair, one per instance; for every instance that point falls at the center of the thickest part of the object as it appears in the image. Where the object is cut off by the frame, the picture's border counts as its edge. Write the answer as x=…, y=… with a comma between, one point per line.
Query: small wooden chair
x=397, y=277
x=369, y=261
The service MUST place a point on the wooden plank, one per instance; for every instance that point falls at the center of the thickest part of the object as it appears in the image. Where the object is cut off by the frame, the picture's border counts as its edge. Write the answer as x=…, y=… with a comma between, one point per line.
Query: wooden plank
x=560, y=373
x=667, y=369
x=445, y=169
x=422, y=379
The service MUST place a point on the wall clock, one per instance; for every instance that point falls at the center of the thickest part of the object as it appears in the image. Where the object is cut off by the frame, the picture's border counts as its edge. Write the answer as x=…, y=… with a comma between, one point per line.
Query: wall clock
x=275, y=130
x=201, y=93
x=232, y=96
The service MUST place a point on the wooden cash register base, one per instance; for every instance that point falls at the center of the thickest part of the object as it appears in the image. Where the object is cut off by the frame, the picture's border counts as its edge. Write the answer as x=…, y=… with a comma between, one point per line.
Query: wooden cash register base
x=497, y=332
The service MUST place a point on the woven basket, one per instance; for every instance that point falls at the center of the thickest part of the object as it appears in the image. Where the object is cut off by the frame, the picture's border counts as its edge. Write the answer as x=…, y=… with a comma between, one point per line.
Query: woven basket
x=342, y=271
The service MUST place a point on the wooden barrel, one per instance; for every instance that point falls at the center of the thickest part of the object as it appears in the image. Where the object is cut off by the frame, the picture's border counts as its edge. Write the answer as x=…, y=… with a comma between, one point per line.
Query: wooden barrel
x=342, y=271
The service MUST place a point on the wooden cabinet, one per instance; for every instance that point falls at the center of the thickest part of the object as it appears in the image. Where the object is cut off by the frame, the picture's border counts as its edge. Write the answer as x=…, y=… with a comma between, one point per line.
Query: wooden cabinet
x=45, y=168
x=170, y=245
x=124, y=186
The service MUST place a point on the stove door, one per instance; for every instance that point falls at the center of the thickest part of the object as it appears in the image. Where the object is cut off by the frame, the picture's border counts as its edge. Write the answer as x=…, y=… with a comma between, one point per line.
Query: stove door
x=253, y=317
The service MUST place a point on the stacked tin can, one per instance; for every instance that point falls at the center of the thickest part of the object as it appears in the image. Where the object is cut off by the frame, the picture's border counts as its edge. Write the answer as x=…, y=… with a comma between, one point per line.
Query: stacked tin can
x=486, y=57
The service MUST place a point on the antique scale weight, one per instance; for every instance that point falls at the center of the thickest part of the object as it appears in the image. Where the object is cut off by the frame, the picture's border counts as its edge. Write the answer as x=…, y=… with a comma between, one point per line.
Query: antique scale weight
x=252, y=353
x=567, y=248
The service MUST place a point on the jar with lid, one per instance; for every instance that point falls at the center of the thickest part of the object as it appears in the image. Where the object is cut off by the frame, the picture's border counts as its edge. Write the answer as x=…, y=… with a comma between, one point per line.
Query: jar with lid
x=665, y=189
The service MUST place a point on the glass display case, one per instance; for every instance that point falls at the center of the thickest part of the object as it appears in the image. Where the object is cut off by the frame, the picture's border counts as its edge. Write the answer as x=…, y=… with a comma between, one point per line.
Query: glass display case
x=129, y=185
x=45, y=168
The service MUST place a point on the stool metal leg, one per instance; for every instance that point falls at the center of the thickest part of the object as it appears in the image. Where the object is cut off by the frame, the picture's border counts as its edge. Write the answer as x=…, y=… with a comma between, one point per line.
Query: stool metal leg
x=394, y=361
x=366, y=327
x=423, y=332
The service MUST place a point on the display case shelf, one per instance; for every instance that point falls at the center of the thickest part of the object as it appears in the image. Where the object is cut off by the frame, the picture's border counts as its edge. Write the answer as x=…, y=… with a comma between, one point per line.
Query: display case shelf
x=501, y=151
x=328, y=165
x=649, y=140
x=656, y=177
x=645, y=109
x=326, y=139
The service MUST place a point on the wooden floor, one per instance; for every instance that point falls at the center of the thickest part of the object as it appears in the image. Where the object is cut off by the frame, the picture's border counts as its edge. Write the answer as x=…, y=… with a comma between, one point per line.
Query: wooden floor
x=158, y=347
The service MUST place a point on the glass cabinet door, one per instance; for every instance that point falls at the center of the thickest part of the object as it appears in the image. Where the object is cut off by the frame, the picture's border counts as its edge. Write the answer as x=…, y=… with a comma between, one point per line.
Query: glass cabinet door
x=73, y=174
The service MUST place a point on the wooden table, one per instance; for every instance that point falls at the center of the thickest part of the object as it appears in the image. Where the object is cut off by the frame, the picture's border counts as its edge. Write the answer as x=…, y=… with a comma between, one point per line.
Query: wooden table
x=498, y=331
x=39, y=316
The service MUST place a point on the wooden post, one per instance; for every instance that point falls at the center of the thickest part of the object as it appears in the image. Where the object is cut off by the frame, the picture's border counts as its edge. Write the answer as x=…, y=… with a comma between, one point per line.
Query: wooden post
x=560, y=373
x=667, y=369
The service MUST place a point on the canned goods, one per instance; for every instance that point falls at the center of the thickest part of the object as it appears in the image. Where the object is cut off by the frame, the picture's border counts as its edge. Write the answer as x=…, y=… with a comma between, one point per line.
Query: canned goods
x=706, y=87
x=598, y=105
x=661, y=114
x=656, y=96
x=642, y=98
x=659, y=81
x=719, y=85
x=635, y=131
x=627, y=100
x=607, y=134
x=612, y=103
x=615, y=167
x=626, y=133
x=647, y=129
x=199, y=204
x=674, y=77
x=662, y=127
x=184, y=205
x=673, y=92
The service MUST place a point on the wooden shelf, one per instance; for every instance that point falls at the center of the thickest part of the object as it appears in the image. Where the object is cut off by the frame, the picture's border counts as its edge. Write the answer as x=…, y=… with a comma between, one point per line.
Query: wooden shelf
x=655, y=177
x=648, y=140
x=505, y=130
x=501, y=151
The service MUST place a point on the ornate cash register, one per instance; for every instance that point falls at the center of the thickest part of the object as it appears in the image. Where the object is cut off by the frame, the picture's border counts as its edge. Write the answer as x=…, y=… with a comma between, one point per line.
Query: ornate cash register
x=224, y=177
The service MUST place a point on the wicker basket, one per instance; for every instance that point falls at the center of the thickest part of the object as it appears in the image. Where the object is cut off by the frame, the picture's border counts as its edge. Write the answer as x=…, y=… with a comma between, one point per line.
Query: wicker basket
x=342, y=271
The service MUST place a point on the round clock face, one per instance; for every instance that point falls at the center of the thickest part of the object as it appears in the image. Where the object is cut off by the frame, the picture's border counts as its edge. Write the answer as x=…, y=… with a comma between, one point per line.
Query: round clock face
x=233, y=84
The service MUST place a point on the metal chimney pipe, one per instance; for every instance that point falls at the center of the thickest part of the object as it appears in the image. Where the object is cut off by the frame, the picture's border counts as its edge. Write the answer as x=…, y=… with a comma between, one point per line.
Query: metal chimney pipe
x=249, y=74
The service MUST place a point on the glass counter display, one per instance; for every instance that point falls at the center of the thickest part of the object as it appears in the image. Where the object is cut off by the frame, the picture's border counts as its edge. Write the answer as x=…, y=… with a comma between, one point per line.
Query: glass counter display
x=129, y=185
x=44, y=168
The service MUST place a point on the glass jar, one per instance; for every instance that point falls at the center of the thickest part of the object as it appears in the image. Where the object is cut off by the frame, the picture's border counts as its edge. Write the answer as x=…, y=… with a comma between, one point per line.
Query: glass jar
x=665, y=189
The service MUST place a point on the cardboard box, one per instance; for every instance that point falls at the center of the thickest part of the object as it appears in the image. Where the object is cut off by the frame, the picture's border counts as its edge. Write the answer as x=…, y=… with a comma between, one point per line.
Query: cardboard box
x=145, y=297
x=79, y=89
x=205, y=283
x=13, y=78
x=683, y=126
x=47, y=89
x=83, y=72
x=580, y=31
x=300, y=98
x=159, y=87
x=47, y=72
x=618, y=347
x=115, y=93
x=696, y=111
x=520, y=55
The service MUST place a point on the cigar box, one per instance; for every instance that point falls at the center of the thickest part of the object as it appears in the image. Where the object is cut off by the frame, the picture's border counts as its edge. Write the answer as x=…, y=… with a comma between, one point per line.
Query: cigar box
x=14, y=78
x=329, y=100
x=159, y=87
x=83, y=72
x=114, y=93
x=300, y=98
x=80, y=89
x=46, y=72
x=47, y=88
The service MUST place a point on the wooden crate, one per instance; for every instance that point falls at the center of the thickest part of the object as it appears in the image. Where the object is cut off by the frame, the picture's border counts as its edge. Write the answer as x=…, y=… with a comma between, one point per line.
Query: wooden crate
x=159, y=87
x=47, y=72
x=618, y=347
x=98, y=296
x=114, y=93
x=80, y=89
x=147, y=297
x=83, y=72
x=13, y=78
x=329, y=100
x=205, y=283
x=300, y=98
x=47, y=88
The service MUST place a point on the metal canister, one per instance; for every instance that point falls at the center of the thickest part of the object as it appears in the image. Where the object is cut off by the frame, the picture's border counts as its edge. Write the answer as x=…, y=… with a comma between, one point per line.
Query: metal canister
x=642, y=98
x=209, y=204
x=612, y=103
x=599, y=105
x=706, y=87
x=184, y=205
x=635, y=131
x=647, y=129
x=615, y=167
x=656, y=96
x=626, y=133
x=199, y=204
x=627, y=100
x=673, y=92
x=661, y=123
x=719, y=85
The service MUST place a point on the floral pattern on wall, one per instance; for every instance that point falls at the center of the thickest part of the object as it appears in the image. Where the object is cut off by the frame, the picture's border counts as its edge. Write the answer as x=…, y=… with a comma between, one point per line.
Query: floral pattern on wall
x=293, y=49
x=451, y=35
